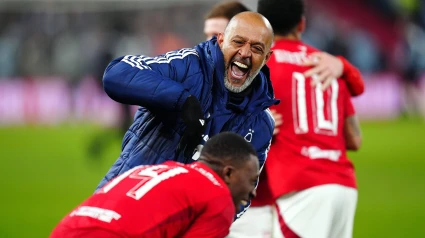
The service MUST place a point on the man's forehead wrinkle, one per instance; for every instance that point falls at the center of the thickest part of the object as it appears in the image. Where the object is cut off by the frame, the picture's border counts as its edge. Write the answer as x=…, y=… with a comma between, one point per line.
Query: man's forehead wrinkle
x=252, y=42
x=242, y=21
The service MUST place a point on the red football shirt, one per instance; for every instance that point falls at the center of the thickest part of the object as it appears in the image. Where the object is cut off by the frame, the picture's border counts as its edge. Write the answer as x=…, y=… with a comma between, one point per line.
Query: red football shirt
x=310, y=147
x=166, y=200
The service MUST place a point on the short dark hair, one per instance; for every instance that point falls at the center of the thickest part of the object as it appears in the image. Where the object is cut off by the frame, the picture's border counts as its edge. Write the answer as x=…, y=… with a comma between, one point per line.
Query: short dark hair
x=227, y=9
x=228, y=146
x=283, y=15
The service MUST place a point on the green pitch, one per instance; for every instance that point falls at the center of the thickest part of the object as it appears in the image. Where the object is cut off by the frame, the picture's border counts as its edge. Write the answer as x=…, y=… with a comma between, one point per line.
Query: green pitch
x=45, y=172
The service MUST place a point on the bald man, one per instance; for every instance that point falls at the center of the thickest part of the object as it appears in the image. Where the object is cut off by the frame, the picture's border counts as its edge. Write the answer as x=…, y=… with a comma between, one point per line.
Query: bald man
x=189, y=95
x=326, y=67
x=245, y=44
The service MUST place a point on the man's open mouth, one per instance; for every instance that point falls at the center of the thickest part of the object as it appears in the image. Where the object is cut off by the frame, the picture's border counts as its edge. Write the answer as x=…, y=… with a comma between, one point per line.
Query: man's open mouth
x=239, y=71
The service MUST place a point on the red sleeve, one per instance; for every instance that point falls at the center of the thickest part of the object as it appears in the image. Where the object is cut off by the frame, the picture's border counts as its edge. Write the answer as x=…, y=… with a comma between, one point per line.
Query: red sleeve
x=349, y=106
x=215, y=220
x=353, y=78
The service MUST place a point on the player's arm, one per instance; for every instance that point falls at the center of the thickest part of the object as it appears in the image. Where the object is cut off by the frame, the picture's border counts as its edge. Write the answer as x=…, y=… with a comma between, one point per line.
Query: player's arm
x=157, y=82
x=352, y=132
x=353, y=77
x=328, y=67
x=278, y=121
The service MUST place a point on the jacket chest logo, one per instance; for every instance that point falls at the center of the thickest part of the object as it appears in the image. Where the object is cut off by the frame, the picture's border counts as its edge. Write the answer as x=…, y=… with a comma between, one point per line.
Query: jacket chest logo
x=248, y=136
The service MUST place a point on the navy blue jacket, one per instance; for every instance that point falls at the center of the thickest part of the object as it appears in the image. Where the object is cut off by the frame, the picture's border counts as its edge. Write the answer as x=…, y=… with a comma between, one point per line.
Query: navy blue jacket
x=160, y=86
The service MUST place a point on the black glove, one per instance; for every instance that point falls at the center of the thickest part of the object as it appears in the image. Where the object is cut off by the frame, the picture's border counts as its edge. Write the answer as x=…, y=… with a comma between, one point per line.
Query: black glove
x=193, y=117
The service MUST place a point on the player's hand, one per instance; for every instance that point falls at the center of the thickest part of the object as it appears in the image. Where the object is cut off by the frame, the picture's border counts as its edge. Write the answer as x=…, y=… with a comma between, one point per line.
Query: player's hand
x=325, y=69
x=277, y=121
x=193, y=118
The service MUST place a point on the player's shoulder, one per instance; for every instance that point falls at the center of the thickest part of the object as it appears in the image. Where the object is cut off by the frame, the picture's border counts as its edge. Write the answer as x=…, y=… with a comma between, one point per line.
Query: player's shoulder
x=203, y=189
x=204, y=176
x=293, y=45
x=289, y=52
x=310, y=49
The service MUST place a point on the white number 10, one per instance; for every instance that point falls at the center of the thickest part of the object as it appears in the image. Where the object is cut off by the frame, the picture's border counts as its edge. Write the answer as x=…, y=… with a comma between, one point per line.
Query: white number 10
x=299, y=108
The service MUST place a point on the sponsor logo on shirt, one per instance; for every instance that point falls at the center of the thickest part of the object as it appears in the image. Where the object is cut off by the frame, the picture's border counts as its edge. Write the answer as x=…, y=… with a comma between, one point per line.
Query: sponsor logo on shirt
x=100, y=214
x=314, y=152
x=207, y=174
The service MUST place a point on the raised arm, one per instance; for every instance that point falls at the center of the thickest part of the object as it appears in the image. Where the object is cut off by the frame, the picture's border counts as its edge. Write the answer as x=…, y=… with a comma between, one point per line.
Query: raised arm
x=353, y=78
x=157, y=82
x=328, y=67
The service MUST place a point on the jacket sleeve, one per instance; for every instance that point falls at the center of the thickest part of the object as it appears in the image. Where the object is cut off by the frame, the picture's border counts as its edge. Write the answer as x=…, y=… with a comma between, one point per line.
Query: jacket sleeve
x=352, y=77
x=263, y=137
x=261, y=140
x=262, y=156
x=158, y=82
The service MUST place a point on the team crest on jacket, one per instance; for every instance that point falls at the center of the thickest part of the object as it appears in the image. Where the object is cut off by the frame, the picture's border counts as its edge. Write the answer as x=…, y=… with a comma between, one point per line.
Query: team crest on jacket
x=249, y=135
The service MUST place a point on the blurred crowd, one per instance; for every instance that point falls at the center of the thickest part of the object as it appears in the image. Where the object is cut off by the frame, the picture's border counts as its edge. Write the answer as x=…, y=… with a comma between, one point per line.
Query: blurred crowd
x=76, y=44
x=375, y=35
x=79, y=43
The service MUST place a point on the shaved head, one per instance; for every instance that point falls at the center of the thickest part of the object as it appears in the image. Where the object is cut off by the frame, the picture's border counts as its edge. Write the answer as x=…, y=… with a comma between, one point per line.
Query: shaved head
x=254, y=20
x=245, y=44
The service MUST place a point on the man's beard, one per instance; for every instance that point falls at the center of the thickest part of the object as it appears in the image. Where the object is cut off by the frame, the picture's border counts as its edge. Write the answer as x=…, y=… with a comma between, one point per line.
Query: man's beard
x=245, y=85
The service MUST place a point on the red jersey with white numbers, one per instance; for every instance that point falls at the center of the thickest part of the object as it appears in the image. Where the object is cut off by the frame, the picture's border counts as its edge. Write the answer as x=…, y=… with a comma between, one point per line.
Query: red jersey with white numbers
x=310, y=149
x=166, y=200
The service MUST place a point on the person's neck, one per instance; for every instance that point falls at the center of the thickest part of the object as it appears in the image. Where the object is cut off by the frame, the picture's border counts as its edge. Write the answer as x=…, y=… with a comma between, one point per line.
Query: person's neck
x=214, y=167
x=290, y=36
x=245, y=92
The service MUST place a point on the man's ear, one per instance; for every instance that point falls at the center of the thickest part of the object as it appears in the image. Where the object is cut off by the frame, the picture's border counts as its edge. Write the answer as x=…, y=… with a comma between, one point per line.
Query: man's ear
x=302, y=25
x=228, y=173
x=268, y=56
x=220, y=38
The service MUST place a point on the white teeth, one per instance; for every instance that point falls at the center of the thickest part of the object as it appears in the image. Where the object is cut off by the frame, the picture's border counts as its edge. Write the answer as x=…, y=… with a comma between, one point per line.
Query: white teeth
x=244, y=203
x=239, y=64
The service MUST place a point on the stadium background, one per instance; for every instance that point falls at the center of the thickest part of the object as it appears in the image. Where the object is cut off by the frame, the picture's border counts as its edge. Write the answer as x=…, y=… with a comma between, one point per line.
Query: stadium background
x=59, y=132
